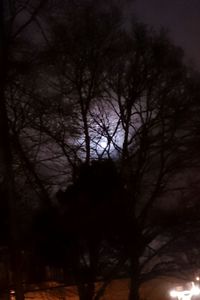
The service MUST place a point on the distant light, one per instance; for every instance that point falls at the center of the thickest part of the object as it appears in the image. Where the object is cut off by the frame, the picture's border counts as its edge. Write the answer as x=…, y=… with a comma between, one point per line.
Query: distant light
x=173, y=294
x=195, y=290
x=186, y=294
x=197, y=278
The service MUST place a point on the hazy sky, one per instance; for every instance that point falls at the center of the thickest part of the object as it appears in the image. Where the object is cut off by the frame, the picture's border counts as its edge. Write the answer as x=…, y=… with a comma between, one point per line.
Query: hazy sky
x=181, y=17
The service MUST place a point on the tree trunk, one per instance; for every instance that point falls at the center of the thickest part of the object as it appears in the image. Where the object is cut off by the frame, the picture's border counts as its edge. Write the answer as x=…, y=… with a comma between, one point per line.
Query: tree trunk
x=86, y=291
x=87, y=138
x=6, y=172
x=134, y=279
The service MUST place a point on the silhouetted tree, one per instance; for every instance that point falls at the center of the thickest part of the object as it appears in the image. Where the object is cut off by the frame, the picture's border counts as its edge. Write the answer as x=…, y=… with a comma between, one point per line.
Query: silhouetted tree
x=102, y=89
x=137, y=105
x=10, y=30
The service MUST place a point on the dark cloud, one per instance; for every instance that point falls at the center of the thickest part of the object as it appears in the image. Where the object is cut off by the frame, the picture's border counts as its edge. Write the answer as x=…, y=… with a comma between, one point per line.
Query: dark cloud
x=181, y=17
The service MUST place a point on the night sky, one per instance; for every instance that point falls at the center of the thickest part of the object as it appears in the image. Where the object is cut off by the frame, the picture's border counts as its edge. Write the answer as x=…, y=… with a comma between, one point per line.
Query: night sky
x=180, y=17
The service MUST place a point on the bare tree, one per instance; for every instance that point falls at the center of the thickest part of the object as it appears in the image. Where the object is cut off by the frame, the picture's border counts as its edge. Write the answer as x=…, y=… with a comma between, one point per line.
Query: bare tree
x=104, y=92
x=136, y=107
x=10, y=30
